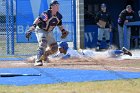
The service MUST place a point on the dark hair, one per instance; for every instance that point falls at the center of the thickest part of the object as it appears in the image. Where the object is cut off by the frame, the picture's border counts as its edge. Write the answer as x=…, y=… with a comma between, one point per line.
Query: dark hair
x=128, y=6
x=53, y=3
x=103, y=5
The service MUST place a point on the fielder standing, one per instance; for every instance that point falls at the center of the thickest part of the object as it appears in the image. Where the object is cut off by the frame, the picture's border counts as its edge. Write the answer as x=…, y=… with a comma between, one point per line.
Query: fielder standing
x=43, y=26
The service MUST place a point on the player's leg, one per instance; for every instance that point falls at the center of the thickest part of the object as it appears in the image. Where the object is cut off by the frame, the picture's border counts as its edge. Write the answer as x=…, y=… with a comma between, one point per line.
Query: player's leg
x=100, y=37
x=115, y=53
x=121, y=36
x=126, y=51
x=53, y=46
x=128, y=37
x=42, y=41
x=107, y=36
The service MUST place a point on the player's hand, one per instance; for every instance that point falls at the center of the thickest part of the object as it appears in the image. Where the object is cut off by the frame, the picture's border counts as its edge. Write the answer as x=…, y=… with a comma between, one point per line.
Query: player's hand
x=99, y=25
x=64, y=34
x=126, y=21
x=110, y=28
x=28, y=34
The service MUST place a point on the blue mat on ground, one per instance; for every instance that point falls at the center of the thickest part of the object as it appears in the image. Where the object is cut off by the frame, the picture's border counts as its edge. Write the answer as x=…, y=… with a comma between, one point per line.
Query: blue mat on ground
x=57, y=75
x=12, y=59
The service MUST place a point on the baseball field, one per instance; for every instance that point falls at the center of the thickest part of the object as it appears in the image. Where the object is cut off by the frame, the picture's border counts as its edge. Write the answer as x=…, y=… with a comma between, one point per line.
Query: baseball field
x=86, y=75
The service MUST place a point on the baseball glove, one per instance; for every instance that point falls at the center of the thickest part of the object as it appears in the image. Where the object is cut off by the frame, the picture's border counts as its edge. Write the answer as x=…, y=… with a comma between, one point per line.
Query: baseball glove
x=64, y=34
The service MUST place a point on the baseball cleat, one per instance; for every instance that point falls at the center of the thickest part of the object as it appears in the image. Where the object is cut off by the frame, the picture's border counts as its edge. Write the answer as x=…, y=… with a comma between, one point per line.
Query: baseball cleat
x=97, y=48
x=38, y=63
x=126, y=51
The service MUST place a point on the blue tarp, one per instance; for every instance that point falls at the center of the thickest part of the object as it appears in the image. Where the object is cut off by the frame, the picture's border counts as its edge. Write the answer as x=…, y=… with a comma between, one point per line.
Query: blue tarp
x=12, y=59
x=57, y=75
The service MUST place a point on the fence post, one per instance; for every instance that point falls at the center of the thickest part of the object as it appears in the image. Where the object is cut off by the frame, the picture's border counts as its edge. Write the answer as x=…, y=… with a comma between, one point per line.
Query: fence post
x=74, y=17
x=9, y=27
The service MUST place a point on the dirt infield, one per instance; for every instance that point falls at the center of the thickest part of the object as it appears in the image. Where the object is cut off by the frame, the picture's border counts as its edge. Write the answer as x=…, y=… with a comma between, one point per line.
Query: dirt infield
x=132, y=65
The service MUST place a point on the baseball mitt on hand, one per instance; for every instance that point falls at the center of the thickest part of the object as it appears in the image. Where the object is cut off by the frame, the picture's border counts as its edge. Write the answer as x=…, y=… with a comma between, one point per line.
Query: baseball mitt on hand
x=64, y=34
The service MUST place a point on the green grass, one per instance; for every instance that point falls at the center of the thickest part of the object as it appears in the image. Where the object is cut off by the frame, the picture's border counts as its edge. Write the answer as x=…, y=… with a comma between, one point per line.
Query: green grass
x=19, y=49
x=118, y=86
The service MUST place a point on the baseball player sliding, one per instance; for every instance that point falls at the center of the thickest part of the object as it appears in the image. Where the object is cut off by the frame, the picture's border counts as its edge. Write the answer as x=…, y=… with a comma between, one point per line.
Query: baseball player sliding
x=71, y=53
x=65, y=52
x=43, y=27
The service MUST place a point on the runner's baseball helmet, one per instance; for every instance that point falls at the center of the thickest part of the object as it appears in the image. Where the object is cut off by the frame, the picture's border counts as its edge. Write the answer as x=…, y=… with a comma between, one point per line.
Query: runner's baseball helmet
x=63, y=45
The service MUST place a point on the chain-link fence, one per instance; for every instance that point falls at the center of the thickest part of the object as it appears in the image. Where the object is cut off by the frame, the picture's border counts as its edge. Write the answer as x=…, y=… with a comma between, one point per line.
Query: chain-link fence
x=8, y=45
x=14, y=22
x=2, y=27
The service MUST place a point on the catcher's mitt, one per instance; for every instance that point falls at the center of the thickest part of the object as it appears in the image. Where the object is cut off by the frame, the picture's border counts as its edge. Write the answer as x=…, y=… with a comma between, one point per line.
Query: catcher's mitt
x=64, y=34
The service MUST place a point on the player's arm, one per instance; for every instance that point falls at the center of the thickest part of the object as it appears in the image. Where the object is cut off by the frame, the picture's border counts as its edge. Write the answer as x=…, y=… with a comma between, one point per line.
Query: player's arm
x=66, y=56
x=97, y=18
x=32, y=28
x=110, y=22
x=134, y=17
x=64, y=32
x=121, y=18
x=42, y=17
x=35, y=23
x=60, y=26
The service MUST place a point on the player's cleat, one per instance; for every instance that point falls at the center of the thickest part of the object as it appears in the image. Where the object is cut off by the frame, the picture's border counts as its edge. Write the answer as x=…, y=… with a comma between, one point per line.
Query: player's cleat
x=64, y=34
x=97, y=48
x=109, y=47
x=38, y=63
x=126, y=51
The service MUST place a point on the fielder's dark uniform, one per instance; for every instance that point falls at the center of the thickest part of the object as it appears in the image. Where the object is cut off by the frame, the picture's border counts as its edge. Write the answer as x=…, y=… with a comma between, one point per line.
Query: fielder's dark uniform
x=124, y=15
x=43, y=26
x=44, y=34
x=103, y=32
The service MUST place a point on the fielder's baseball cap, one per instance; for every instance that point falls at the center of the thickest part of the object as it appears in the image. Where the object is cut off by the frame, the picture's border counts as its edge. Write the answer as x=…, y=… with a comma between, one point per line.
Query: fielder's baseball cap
x=54, y=2
x=63, y=45
x=103, y=5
